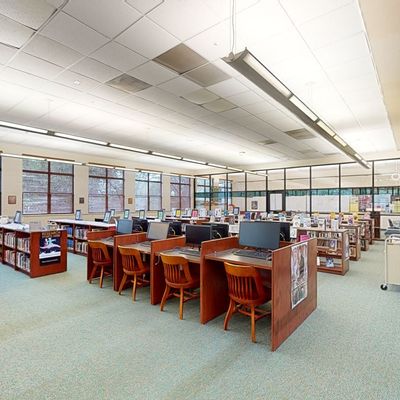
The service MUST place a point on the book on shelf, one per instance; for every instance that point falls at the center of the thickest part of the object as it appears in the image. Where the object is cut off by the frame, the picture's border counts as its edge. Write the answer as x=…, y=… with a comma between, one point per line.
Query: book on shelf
x=332, y=245
x=329, y=262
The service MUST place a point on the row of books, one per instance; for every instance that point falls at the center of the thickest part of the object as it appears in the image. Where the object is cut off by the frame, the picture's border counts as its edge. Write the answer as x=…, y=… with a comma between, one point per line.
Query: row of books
x=81, y=233
x=68, y=228
x=9, y=239
x=70, y=244
x=81, y=247
x=23, y=261
x=24, y=244
x=9, y=256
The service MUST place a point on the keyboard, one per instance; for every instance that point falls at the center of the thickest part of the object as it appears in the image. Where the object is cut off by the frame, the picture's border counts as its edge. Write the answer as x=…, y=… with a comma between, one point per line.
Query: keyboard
x=262, y=255
x=190, y=252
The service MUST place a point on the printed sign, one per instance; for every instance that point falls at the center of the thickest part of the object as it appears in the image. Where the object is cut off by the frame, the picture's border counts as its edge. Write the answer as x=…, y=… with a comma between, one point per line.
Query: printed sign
x=50, y=248
x=299, y=270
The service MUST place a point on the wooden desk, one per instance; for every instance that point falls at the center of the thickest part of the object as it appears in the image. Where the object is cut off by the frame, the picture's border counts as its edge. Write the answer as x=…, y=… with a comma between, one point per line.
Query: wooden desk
x=214, y=298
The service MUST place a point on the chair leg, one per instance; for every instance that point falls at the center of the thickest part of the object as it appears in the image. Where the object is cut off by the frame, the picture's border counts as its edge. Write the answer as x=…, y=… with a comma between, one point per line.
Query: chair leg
x=122, y=284
x=134, y=288
x=101, y=277
x=94, y=270
x=165, y=297
x=229, y=313
x=181, y=304
x=253, y=324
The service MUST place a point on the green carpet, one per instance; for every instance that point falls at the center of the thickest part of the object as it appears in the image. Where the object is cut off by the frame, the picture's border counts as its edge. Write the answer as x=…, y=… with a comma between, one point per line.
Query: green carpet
x=61, y=338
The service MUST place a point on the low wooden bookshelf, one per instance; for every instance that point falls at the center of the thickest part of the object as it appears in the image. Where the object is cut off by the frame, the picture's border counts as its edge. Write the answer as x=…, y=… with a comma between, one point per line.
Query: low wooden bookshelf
x=354, y=240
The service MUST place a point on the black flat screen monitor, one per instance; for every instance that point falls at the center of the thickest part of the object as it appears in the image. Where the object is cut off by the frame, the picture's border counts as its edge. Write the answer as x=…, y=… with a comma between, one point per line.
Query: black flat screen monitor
x=78, y=215
x=142, y=214
x=127, y=213
x=107, y=217
x=219, y=230
x=140, y=225
x=175, y=228
x=236, y=211
x=112, y=211
x=160, y=214
x=285, y=231
x=196, y=234
x=260, y=235
x=158, y=230
x=18, y=217
x=124, y=226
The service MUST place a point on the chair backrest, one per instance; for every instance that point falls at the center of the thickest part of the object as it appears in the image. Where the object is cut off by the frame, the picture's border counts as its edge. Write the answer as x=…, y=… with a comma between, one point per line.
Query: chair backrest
x=131, y=259
x=244, y=283
x=176, y=269
x=99, y=251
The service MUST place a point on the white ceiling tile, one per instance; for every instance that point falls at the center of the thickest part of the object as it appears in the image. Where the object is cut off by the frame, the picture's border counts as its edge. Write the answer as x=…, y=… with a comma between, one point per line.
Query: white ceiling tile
x=258, y=108
x=322, y=31
x=52, y=51
x=245, y=98
x=30, y=13
x=72, y=33
x=147, y=38
x=197, y=17
x=152, y=73
x=35, y=66
x=109, y=93
x=223, y=8
x=95, y=70
x=179, y=86
x=11, y=95
x=13, y=33
x=352, y=69
x=69, y=78
x=118, y=56
x=235, y=113
x=109, y=17
x=6, y=53
x=200, y=96
x=302, y=11
x=144, y=6
x=227, y=88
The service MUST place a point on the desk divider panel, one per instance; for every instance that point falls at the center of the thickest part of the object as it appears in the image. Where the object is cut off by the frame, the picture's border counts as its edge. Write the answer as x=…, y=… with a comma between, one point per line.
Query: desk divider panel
x=121, y=240
x=157, y=280
x=285, y=319
x=213, y=279
x=95, y=235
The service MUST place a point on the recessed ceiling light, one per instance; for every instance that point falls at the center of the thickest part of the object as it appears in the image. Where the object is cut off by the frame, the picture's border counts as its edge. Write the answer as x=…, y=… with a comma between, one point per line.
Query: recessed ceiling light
x=77, y=82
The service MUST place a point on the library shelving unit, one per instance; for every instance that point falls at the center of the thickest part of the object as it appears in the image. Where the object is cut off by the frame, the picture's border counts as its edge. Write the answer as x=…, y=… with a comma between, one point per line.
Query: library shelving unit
x=35, y=253
x=376, y=217
x=367, y=226
x=354, y=240
x=332, y=248
x=77, y=233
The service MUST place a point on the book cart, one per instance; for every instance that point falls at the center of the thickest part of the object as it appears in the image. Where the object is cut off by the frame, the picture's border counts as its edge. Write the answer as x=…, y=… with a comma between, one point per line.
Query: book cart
x=34, y=253
x=392, y=256
x=332, y=248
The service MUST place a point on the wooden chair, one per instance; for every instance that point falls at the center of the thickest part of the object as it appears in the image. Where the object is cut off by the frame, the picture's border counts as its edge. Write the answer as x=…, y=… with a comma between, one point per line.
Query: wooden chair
x=101, y=259
x=178, y=278
x=246, y=292
x=133, y=266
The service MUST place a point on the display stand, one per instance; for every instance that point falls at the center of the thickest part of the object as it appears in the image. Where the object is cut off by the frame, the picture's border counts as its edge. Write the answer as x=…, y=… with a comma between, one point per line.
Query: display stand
x=354, y=240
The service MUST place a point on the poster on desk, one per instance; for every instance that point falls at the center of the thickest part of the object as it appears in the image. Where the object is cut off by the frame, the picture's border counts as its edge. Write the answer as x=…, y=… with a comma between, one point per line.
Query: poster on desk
x=299, y=273
x=50, y=248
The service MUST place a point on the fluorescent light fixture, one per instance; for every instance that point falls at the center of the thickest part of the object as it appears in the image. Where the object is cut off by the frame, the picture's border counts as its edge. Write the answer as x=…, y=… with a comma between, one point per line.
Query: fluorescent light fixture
x=326, y=128
x=122, y=147
x=234, y=169
x=95, y=164
x=302, y=107
x=79, y=138
x=22, y=127
x=216, y=165
x=64, y=161
x=26, y=156
x=194, y=161
x=258, y=67
x=358, y=156
x=154, y=153
x=127, y=169
x=340, y=140
x=150, y=172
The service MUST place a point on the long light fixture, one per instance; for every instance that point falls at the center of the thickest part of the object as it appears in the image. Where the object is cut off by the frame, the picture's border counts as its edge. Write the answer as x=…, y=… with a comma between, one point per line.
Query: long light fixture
x=64, y=161
x=6, y=124
x=216, y=165
x=194, y=161
x=254, y=70
x=134, y=149
x=26, y=156
x=156, y=153
x=80, y=138
x=101, y=165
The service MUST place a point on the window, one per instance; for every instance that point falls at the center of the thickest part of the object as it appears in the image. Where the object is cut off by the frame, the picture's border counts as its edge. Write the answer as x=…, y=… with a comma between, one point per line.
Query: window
x=180, y=192
x=202, y=195
x=106, y=189
x=47, y=187
x=148, y=191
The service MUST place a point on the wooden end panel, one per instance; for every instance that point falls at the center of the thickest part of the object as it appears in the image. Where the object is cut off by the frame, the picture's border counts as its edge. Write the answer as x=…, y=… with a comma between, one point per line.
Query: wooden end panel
x=157, y=280
x=286, y=320
x=214, y=298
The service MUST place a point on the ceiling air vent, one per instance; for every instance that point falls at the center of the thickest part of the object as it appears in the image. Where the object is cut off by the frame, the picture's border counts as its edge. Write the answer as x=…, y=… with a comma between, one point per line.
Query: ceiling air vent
x=267, y=142
x=300, y=134
x=128, y=83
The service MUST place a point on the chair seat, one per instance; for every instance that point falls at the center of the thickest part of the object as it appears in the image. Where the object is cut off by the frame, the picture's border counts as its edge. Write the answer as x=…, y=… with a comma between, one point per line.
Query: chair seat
x=185, y=285
x=143, y=271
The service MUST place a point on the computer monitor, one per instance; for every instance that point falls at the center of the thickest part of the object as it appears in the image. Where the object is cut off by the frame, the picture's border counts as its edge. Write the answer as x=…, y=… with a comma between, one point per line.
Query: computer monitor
x=160, y=214
x=196, y=234
x=261, y=234
x=177, y=213
x=236, y=211
x=285, y=231
x=175, y=228
x=158, y=230
x=18, y=217
x=127, y=213
x=140, y=225
x=247, y=215
x=142, y=214
x=195, y=213
x=219, y=230
x=112, y=211
x=124, y=226
x=107, y=217
x=78, y=215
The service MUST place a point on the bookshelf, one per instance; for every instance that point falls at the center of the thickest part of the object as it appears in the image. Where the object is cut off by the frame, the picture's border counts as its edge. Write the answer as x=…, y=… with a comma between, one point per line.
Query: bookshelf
x=333, y=248
x=366, y=233
x=34, y=253
x=77, y=233
x=354, y=240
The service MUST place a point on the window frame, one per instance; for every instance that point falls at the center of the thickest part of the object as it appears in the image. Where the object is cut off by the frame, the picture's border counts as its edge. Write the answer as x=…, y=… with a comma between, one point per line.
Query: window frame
x=181, y=184
x=148, y=196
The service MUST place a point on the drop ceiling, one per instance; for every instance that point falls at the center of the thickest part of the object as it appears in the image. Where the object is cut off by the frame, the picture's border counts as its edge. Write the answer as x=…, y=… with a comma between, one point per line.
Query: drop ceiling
x=149, y=74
